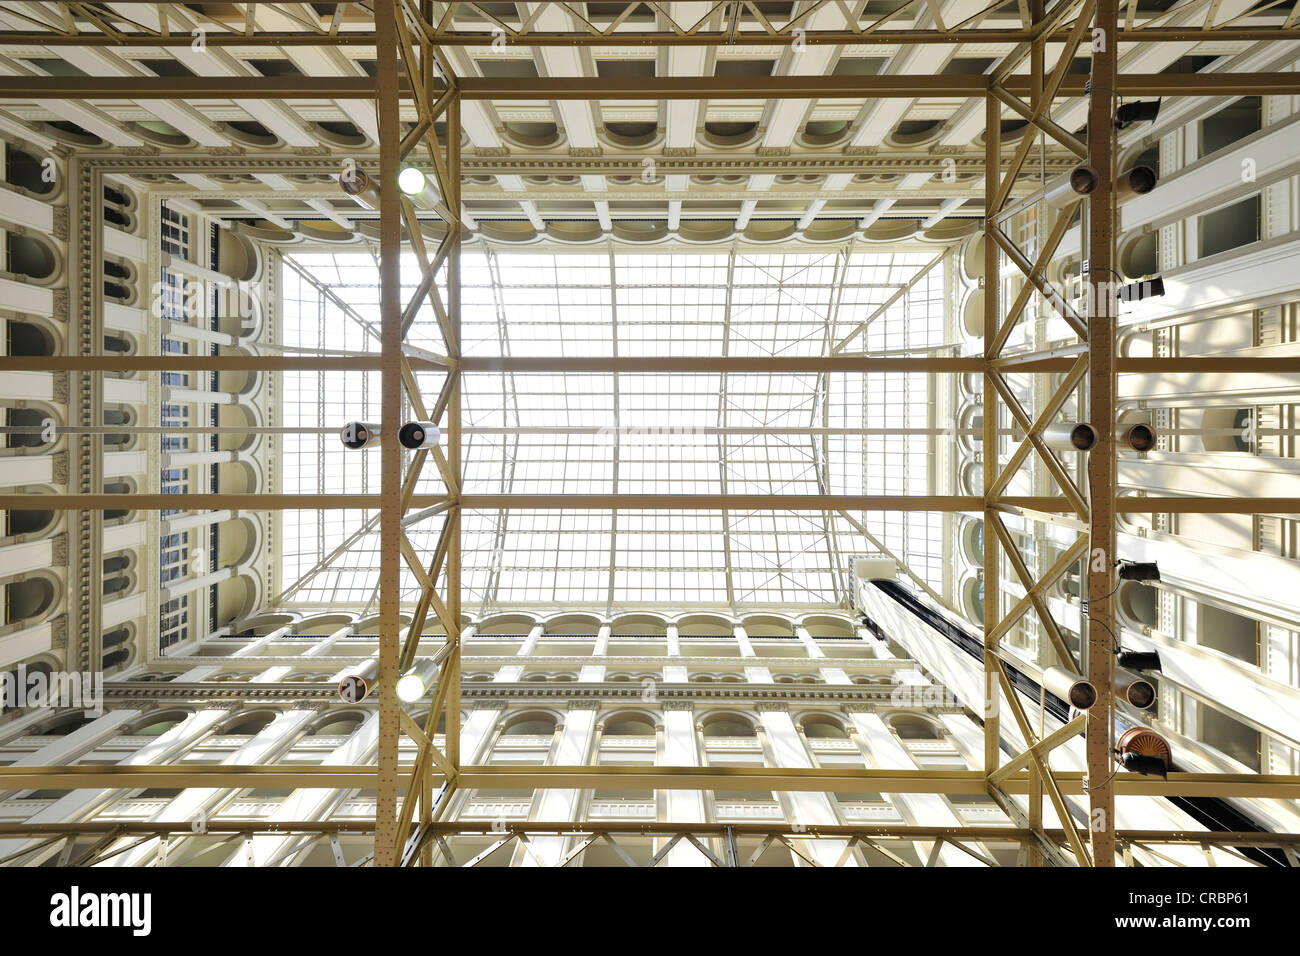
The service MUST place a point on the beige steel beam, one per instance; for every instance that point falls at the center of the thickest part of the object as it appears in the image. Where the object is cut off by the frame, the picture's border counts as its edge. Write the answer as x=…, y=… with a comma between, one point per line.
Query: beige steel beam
x=902, y=86
x=994, y=521
x=1042, y=747
x=1055, y=507
x=992, y=564
x=1244, y=364
x=635, y=38
x=814, y=779
x=1102, y=471
x=146, y=88
x=390, y=517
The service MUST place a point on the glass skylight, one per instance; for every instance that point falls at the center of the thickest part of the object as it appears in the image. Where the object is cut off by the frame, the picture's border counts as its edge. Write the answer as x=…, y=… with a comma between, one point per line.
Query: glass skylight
x=628, y=433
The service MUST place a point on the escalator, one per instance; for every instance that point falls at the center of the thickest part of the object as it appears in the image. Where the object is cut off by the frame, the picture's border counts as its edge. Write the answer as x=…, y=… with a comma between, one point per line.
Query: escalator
x=1214, y=813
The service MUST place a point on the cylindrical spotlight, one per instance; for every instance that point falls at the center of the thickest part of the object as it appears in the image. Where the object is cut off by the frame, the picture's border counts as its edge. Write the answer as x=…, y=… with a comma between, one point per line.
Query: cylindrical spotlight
x=1070, y=436
x=1144, y=751
x=356, y=435
x=358, y=184
x=412, y=685
x=1081, y=181
x=1139, y=660
x=419, y=435
x=356, y=686
x=1144, y=572
x=414, y=183
x=1070, y=687
x=1139, y=436
x=1137, y=691
x=1137, y=181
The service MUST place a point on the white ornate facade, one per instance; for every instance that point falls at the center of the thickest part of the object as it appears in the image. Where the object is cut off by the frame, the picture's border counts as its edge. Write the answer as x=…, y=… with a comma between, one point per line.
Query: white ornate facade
x=208, y=661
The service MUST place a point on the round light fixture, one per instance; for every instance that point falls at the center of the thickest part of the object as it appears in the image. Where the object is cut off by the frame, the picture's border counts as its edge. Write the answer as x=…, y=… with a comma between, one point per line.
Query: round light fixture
x=411, y=181
x=410, y=688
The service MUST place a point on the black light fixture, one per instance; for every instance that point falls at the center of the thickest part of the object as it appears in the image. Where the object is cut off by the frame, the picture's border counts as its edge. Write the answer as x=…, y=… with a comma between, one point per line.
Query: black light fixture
x=1144, y=289
x=418, y=435
x=1141, y=763
x=1139, y=660
x=1144, y=751
x=1144, y=572
x=1143, y=111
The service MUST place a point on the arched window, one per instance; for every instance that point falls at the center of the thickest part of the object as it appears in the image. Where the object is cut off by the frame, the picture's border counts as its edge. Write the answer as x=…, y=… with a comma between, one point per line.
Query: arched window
x=64, y=724
x=26, y=256
x=27, y=418
x=27, y=339
x=821, y=727
x=28, y=599
x=157, y=724
x=529, y=724
x=728, y=725
x=910, y=727
x=27, y=522
x=629, y=725
x=26, y=171
x=116, y=658
x=247, y=725
x=338, y=725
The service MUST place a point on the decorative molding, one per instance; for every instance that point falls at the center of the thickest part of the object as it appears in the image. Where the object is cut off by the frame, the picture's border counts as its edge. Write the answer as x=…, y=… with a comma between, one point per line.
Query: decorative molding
x=59, y=631
x=60, y=548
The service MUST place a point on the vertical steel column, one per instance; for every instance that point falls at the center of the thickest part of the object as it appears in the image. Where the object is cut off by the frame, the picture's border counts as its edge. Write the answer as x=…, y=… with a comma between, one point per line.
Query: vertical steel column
x=452, y=741
x=390, y=486
x=1101, y=405
x=992, y=602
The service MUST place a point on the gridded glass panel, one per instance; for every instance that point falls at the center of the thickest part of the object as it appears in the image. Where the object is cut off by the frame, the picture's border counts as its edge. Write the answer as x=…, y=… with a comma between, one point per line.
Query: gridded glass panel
x=543, y=433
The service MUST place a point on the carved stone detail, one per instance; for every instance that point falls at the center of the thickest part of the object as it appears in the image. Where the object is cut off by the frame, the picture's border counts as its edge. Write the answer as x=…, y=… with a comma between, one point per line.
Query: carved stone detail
x=59, y=631
x=60, y=549
x=60, y=466
x=586, y=151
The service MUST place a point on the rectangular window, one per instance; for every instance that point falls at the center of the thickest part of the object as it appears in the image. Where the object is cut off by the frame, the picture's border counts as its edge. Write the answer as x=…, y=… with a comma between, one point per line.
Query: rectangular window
x=1230, y=227
x=1234, y=122
x=1229, y=735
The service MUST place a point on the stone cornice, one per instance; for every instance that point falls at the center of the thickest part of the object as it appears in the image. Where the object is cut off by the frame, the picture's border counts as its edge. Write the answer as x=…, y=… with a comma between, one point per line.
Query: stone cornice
x=577, y=696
